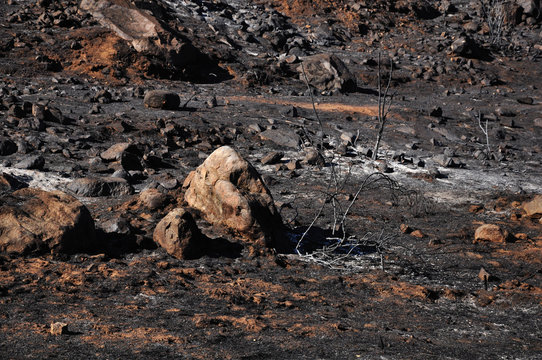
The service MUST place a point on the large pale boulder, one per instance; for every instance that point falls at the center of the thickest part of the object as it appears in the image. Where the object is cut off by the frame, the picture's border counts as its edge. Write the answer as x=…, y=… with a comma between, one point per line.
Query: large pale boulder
x=33, y=220
x=229, y=192
x=179, y=235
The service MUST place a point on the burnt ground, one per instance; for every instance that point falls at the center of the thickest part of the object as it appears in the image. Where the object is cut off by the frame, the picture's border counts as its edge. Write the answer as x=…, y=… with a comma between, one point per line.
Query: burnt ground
x=400, y=295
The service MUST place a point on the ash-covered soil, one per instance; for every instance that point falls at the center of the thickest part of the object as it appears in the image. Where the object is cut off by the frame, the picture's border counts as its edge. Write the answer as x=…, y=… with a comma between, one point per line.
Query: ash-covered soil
x=461, y=148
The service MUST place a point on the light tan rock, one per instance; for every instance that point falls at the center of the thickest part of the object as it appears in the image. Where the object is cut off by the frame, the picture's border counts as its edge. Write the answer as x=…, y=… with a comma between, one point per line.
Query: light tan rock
x=229, y=192
x=533, y=207
x=33, y=220
x=153, y=199
x=491, y=233
x=59, y=328
x=179, y=235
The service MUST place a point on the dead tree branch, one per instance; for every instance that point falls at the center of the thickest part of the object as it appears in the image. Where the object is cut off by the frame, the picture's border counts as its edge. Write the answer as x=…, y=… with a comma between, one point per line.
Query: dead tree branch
x=384, y=105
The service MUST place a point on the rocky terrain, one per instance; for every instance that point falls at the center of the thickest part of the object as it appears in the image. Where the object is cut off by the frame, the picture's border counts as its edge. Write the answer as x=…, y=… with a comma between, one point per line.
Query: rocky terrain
x=198, y=180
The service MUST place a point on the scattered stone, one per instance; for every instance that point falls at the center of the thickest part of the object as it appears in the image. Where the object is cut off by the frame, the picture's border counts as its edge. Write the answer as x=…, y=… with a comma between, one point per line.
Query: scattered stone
x=533, y=207
x=10, y=182
x=292, y=165
x=405, y=229
x=153, y=199
x=7, y=147
x=285, y=138
x=313, y=157
x=418, y=234
x=162, y=99
x=230, y=192
x=348, y=138
x=272, y=158
x=491, y=233
x=436, y=112
x=32, y=124
x=444, y=160
x=327, y=73
x=257, y=128
x=484, y=275
x=466, y=47
x=476, y=208
x=36, y=221
x=525, y=100
x=179, y=235
x=59, y=328
x=530, y=7
x=95, y=187
x=32, y=162
x=115, y=151
x=212, y=103
x=537, y=122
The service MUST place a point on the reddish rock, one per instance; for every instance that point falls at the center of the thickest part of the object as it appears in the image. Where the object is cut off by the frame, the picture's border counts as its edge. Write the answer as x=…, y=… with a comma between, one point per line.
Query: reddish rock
x=229, y=191
x=491, y=233
x=33, y=220
x=179, y=235
x=533, y=207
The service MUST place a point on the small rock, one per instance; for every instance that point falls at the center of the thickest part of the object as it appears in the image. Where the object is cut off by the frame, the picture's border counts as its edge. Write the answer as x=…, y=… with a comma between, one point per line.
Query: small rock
x=31, y=162
x=95, y=187
x=292, y=165
x=115, y=151
x=9, y=182
x=285, y=138
x=7, y=147
x=466, y=47
x=436, y=112
x=212, y=103
x=525, y=100
x=476, y=208
x=533, y=207
x=327, y=73
x=348, y=138
x=162, y=99
x=418, y=233
x=272, y=158
x=491, y=233
x=405, y=229
x=179, y=235
x=153, y=199
x=313, y=157
x=444, y=160
x=59, y=328
x=484, y=275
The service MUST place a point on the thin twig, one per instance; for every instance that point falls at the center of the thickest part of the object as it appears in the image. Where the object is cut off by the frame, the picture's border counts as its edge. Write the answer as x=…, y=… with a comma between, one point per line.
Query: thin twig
x=314, y=106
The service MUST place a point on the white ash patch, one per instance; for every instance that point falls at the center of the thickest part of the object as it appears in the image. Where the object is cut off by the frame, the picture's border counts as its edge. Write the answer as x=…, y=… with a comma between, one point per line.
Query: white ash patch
x=47, y=181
